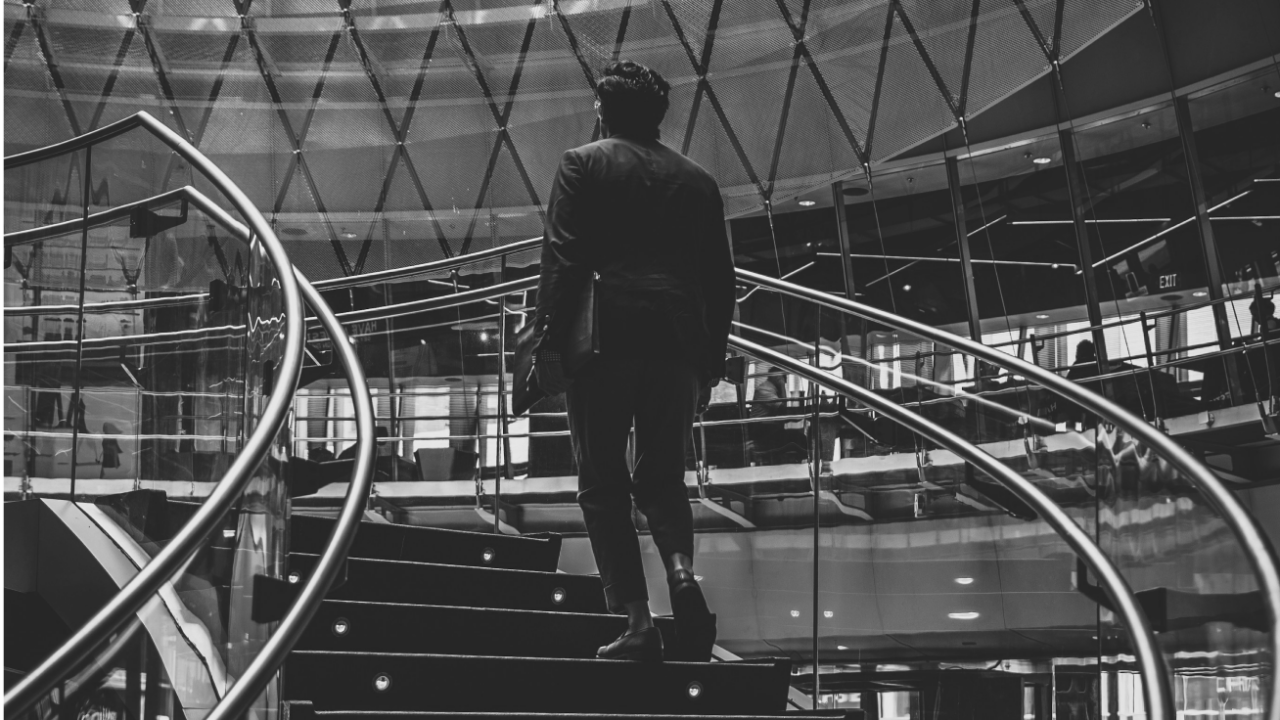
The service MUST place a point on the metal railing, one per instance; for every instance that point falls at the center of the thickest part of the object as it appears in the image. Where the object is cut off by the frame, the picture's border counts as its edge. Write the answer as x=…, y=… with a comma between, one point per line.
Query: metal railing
x=125, y=604
x=1158, y=691
x=1256, y=546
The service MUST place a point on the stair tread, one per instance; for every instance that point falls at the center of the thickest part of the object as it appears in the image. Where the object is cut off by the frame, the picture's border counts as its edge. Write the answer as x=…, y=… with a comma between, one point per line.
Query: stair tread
x=421, y=543
x=553, y=715
x=753, y=662
x=476, y=568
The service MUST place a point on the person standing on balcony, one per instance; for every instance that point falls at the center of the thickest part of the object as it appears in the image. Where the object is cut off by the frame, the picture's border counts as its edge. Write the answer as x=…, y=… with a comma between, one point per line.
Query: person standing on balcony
x=650, y=223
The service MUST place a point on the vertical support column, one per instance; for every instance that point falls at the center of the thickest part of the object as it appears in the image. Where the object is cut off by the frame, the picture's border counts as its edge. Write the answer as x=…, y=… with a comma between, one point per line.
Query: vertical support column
x=393, y=393
x=1075, y=192
x=1212, y=262
x=74, y=413
x=966, y=259
x=846, y=270
x=1208, y=244
x=815, y=470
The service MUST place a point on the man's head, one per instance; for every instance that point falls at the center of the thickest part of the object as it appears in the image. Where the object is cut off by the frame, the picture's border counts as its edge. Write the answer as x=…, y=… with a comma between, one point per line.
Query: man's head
x=1085, y=352
x=1262, y=311
x=632, y=99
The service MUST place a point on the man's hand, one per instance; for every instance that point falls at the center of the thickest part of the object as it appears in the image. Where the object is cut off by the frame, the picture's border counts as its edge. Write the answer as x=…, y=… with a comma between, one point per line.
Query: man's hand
x=704, y=395
x=551, y=377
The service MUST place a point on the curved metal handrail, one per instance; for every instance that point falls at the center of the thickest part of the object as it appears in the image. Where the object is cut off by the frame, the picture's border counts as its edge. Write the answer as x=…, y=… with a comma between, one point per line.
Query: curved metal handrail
x=1257, y=548
x=409, y=271
x=175, y=554
x=1155, y=678
x=248, y=687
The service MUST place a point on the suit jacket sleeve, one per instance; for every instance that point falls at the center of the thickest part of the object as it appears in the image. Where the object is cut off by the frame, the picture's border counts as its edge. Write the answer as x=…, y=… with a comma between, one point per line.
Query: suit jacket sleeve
x=564, y=248
x=717, y=278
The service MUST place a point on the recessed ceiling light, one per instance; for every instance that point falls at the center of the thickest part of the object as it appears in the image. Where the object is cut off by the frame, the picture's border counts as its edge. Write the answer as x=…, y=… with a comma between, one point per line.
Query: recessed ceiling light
x=795, y=613
x=970, y=615
x=964, y=581
x=842, y=647
x=1199, y=293
x=906, y=288
x=347, y=234
x=828, y=614
x=1042, y=160
x=1042, y=317
x=808, y=203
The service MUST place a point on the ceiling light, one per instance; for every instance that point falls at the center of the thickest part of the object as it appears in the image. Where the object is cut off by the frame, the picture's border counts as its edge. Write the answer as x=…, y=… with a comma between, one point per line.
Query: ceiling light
x=1042, y=317
x=964, y=581
x=828, y=614
x=347, y=234
x=906, y=288
x=808, y=203
x=1042, y=160
x=970, y=615
x=795, y=613
x=855, y=191
x=842, y=647
x=1199, y=293
x=484, y=336
x=1146, y=125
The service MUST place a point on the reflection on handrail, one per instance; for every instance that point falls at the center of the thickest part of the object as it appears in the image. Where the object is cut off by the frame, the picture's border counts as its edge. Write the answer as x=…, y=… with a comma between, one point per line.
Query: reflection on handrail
x=109, y=306
x=409, y=271
x=1254, y=543
x=264, y=665
x=22, y=237
x=1158, y=693
x=124, y=605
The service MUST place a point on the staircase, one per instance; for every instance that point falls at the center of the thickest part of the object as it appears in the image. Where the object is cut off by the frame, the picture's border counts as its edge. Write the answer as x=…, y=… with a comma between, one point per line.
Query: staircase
x=435, y=623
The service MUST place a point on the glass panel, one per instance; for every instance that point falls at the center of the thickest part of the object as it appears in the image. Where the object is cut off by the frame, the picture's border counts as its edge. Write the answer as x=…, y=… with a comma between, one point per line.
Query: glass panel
x=182, y=342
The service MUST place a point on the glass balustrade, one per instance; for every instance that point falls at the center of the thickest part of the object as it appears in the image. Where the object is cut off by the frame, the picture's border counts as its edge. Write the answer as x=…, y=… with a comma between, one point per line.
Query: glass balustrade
x=145, y=335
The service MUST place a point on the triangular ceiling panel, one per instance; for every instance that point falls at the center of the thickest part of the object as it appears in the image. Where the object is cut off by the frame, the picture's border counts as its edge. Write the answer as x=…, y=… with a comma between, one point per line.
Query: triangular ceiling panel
x=844, y=41
x=912, y=108
x=1084, y=22
x=710, y=148
x=298, y=64
x=397, y=58
x=1005, y=58
x=595, y=31
x=193, y=61
x=30, y=93
x=814, y=148
x=85, y=81
x=1043, y=14
x=402, y=196
x=495, y=46
x=199, y=8
x=694, y=19
x=943, y=29
x=136, y=87
x=506, y=188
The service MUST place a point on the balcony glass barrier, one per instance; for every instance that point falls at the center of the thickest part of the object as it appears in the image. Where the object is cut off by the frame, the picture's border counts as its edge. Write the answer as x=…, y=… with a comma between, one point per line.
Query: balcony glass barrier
x=1173, y=545
x=148, y=347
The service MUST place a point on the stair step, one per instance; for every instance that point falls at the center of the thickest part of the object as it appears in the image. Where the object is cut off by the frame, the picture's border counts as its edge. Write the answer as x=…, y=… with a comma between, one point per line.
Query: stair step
x=468, y=586
x=412, y=715
x=431, y=545
x=468, y=683
x=448, y=630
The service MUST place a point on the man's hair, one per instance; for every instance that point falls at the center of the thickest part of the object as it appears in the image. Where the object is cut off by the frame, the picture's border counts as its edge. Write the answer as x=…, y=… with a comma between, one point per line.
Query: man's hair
x=1085, y=351
x=633, y=98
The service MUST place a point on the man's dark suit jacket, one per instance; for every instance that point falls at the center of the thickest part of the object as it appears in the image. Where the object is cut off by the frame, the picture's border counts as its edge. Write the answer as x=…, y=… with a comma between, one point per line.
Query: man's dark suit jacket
x=651, y=222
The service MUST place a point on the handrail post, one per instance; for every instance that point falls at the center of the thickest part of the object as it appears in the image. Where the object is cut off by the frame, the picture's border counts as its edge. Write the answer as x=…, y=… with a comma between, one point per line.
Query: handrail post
x=1151, y=367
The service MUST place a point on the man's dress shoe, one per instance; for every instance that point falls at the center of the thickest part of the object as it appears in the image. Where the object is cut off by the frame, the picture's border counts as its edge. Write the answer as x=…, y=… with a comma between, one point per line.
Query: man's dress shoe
x=695, y=625
x=643, y=645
